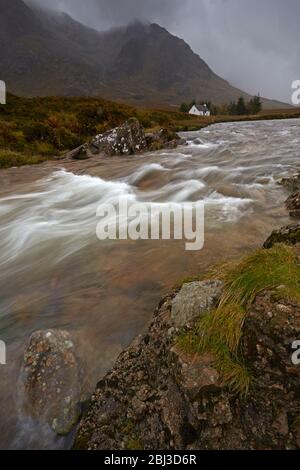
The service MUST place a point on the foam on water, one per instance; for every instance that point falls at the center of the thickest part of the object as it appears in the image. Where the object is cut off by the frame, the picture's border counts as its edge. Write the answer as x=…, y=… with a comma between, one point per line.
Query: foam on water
x=144, y=171
x=59, y=217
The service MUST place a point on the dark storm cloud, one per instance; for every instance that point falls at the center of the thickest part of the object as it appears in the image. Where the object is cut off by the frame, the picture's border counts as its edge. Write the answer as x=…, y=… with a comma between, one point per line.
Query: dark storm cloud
x=102, y=14
x=252, y=43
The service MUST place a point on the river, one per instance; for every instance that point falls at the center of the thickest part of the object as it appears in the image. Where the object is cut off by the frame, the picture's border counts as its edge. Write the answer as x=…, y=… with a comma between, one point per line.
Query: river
x=55, y=273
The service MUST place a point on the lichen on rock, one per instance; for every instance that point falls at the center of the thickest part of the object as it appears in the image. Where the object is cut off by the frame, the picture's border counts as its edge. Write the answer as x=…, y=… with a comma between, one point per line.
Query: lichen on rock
x=292, y=183
x=290, y=235
x=193, y=300
x=127, y=139
x=293, y=204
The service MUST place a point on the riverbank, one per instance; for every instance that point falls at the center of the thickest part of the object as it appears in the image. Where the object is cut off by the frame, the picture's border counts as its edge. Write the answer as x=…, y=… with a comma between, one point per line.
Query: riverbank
x=208, y=373
x=217, y=368
x=39, y=129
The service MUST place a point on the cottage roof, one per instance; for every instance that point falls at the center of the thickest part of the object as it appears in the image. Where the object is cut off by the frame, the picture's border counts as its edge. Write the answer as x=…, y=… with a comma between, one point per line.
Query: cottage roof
x=201, y=107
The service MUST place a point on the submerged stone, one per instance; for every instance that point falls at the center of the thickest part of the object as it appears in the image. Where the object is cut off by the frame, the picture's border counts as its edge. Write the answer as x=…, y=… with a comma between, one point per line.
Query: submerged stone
x=51, y=380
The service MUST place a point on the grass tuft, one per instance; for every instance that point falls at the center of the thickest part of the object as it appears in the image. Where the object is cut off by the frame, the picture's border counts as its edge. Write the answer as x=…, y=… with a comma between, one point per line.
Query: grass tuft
x=10, y=158
x=261, y=270
x=220, y=332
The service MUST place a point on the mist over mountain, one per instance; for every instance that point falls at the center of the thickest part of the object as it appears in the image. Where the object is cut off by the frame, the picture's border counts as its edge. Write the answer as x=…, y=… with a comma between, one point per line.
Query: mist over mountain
x=49, y=53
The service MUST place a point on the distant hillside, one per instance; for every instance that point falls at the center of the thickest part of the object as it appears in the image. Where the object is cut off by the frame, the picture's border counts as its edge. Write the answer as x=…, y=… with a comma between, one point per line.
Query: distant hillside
x=45, y=53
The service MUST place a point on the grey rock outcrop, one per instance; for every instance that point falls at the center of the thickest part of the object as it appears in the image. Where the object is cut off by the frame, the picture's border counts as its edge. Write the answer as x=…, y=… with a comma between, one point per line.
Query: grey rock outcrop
x=127, y=139
x=51, y=380
x=164, y=139
x=194, y=300
x=293, y=204
x=290, y=235
x=80, y=153
x=292, y=183
x=158, y=396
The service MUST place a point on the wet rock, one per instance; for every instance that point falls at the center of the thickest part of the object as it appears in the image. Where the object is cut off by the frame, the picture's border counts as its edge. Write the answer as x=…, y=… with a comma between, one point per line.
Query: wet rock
x=80, y=153
x=51, y=380
x=290, y=235
x=293, y=204
x=292, y=183
x=197, y=372
x=160, y=397
x=268, y=347
x=127, y=139
x=197, y=141
x=194, y=300
x=164, y=139
x=281, y=424
x=170, y=139
x=222, y=412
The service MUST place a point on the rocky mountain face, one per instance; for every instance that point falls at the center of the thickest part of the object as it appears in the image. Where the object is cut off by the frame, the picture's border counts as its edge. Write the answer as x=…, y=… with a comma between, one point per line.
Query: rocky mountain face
x=47, y=53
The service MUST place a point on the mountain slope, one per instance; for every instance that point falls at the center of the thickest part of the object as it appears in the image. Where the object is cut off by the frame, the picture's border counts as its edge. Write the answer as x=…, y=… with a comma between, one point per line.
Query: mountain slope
x=47, y=53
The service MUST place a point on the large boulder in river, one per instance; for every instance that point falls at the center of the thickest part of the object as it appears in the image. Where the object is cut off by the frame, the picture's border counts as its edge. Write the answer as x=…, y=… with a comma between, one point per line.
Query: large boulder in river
x=51, y=379
x=289, y=235
x=127, y=139
x=293, y=204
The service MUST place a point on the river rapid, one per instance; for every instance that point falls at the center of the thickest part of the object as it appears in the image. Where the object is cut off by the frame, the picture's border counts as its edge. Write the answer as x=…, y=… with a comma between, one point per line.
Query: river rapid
x=55, y=273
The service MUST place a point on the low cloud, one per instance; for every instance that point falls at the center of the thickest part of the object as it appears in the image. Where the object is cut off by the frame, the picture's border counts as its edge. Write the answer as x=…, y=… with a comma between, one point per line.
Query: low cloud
x=252, y=43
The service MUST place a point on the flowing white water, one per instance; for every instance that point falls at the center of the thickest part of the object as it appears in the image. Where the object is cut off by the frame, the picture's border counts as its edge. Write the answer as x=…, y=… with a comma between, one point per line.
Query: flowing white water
x=56, y=273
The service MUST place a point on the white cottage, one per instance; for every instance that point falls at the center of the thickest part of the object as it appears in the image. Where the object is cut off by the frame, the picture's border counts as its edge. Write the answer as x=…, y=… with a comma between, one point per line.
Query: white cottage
x=199, y=110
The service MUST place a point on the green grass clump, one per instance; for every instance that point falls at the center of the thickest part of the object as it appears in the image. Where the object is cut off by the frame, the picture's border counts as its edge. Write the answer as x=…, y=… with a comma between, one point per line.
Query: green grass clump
x=220, y=332
x=262, y=269
x=9, y=159
x=190, y=342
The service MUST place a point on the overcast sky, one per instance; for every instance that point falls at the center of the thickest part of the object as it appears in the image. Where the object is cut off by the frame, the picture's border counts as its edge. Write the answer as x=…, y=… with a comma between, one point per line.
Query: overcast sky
x=255, y=44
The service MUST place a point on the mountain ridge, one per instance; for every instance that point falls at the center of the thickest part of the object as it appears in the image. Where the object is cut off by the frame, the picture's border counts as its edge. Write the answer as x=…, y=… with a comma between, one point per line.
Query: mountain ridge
x=49, y=53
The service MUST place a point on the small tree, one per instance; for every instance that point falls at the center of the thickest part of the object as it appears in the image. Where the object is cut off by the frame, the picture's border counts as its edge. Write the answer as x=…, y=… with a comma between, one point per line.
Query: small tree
x=184, y=108
x=241, y=108
x=255, y=105
x=232, y=108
